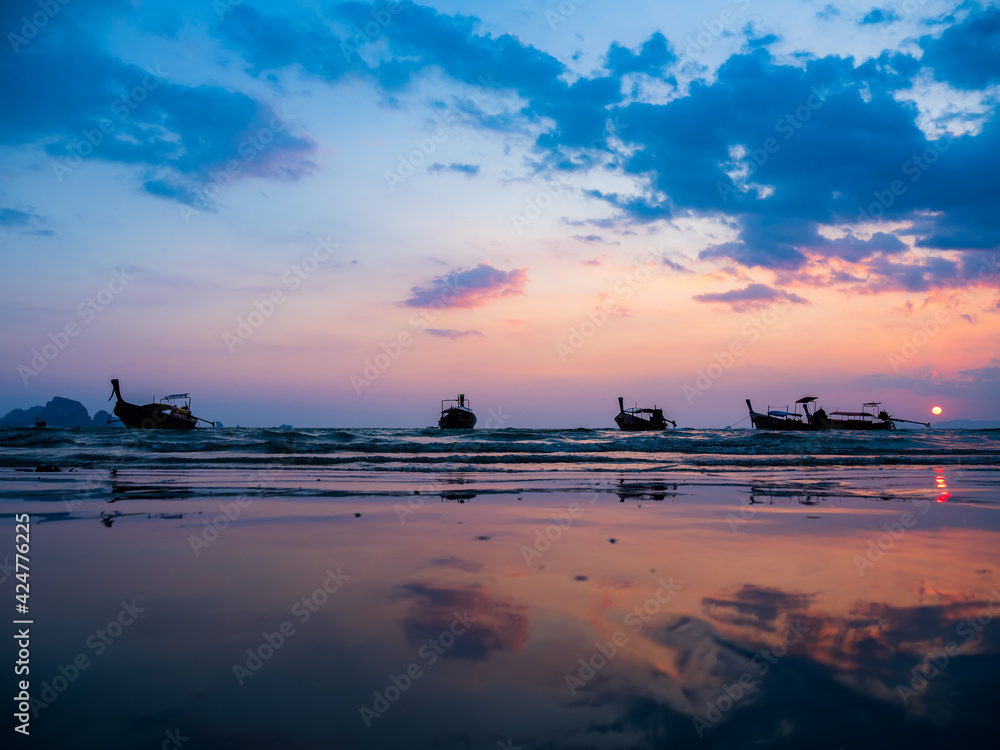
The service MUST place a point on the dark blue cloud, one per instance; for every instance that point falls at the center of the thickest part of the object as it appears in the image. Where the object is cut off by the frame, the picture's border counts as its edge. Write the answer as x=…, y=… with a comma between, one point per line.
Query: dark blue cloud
x=763, y=41
x=784, y=244
x=100, y=107
x=878, y=16
x=172, y=191
x=653, y=58
x=855, y=250
x=967, y=54
x=914, y=276
x=806, y=132
x=270, y=43
x=24, y=222
x=420, y=38
x=11, y=217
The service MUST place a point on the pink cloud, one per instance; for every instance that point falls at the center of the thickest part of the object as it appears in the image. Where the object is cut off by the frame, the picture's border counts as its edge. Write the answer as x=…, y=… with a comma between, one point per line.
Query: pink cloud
x=469, y=288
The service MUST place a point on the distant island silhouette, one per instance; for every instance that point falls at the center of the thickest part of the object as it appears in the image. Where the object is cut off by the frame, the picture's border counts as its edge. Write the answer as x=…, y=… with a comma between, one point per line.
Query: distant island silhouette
x=59, y=412
x=968, y=424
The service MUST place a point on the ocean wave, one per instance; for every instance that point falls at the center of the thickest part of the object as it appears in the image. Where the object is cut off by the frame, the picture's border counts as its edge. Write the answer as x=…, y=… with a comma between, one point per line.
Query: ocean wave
x=511, y=446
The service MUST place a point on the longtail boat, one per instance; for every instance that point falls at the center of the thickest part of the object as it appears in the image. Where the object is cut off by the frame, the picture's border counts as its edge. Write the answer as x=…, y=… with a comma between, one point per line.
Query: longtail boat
x=641, y=419
x=782, y=419
x=870, y=418
x=457, y=417
x=171, y=413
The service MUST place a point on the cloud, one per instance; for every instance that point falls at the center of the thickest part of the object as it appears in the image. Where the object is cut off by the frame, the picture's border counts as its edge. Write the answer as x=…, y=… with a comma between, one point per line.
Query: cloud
x=655, y=55
x=967, y=54
x=469, y=288
x=271, y=42
x=675, y=266
x=450, y=333
x=878, y=16
x=11, y=217
x=495, y=626
x=420, y=39
x=102, y=108
x=752, y=297
x=24, y=222
x=755, y=605
x=763, y=41
x=468, y=169
x=172, y=191
x=457, y=563
x=991, y=374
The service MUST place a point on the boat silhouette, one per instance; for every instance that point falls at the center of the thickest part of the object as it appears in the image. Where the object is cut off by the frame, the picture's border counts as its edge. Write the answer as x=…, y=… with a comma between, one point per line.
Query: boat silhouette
x=640, y=419
x=165, y=415
x=457, y=417
x=871, y=418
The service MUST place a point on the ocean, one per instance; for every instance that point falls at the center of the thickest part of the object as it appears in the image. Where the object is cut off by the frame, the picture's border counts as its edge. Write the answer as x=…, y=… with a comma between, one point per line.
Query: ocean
x=512, y=588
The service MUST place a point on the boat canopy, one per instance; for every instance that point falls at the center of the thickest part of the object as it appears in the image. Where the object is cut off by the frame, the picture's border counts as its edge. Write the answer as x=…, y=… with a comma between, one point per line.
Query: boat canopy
x=179, y=395
x=781, y=414
x=806, y=400
x=850, y=414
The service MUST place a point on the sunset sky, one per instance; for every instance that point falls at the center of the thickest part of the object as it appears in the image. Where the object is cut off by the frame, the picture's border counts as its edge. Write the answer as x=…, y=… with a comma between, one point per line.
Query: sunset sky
x=338, y=214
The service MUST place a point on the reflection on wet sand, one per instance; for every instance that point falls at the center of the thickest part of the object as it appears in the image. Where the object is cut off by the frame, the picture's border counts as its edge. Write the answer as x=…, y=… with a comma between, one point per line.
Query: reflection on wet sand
x=651, y=492
x=636, y=624
x=771, y=495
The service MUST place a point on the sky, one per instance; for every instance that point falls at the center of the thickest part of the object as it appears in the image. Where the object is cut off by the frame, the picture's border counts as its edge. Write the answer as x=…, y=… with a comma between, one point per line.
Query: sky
x=339, y=214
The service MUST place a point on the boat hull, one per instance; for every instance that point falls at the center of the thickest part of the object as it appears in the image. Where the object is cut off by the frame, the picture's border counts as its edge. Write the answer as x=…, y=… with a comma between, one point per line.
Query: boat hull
x=630, y=423
x=137, y=417
x=764, y=422
x=457, y=419
x=786, y=424
x=848, y=424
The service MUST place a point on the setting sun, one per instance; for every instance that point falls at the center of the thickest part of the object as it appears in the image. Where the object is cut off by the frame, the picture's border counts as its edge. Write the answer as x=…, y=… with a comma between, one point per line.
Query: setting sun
x=936, y=410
